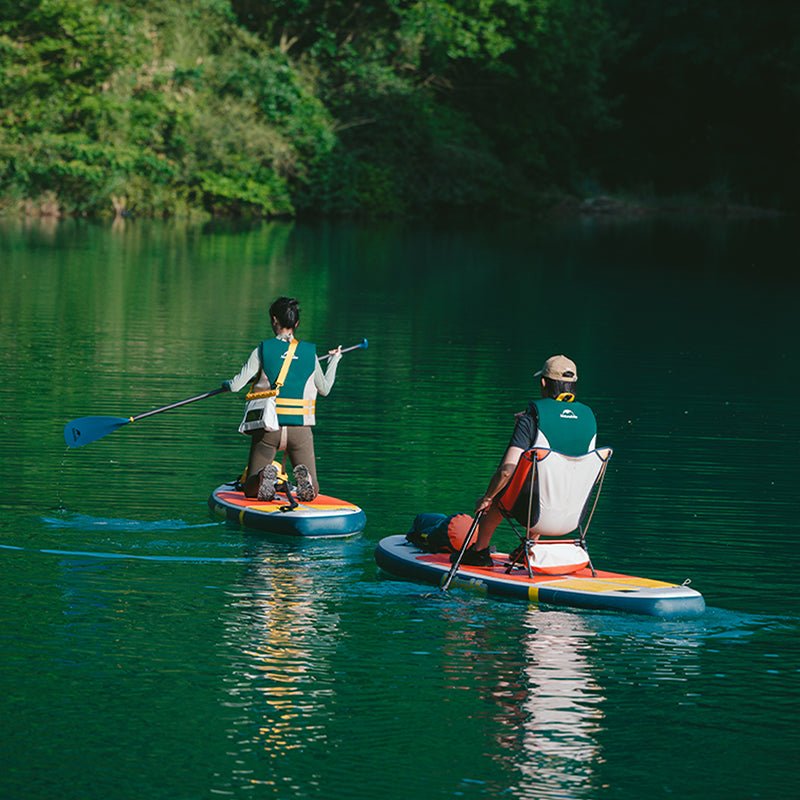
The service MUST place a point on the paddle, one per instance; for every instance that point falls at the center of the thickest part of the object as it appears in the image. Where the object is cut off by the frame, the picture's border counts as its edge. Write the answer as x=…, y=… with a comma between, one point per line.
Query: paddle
x=450, y=575
x=362, y=345
x=81, y=431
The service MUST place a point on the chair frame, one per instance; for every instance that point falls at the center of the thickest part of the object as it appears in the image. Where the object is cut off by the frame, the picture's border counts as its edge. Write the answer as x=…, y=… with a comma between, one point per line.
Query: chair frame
x=527, y=543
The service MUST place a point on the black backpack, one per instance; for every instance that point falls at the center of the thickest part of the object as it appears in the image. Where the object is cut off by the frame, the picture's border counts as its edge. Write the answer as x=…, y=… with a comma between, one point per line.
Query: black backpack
x=429, y=533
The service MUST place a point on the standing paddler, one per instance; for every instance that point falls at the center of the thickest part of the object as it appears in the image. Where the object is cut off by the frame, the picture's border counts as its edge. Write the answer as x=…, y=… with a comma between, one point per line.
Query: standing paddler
x=281, y=404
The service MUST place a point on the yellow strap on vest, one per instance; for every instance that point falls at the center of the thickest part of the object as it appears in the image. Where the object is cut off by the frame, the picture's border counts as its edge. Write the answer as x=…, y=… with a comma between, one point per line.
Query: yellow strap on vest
x=566, y=397
x=287, y=362
x=285, y=408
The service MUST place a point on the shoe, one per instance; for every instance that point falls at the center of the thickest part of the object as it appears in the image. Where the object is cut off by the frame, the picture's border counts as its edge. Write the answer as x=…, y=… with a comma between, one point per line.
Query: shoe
x=305, y=489
x=266, y=485
x=475, y=558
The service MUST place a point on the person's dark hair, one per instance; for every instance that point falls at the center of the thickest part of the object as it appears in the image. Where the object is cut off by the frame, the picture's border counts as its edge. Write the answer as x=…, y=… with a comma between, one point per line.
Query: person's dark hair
x=553, y=387
x=287, y=311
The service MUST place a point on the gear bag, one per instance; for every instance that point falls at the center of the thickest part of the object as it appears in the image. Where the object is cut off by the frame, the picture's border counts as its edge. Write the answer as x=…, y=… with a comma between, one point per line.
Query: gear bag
x=439, y=533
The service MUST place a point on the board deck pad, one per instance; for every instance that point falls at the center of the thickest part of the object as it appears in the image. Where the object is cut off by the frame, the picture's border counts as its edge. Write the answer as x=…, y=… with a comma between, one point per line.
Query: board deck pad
x=602, y=590
x=325, y=516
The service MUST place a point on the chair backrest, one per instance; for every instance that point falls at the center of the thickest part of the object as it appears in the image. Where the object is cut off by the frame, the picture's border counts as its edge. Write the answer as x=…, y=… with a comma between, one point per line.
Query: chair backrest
x=553, y=490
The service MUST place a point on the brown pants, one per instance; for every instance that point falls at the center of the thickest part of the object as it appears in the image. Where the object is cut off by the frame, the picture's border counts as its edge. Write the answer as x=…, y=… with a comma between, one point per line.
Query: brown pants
x=296, y=440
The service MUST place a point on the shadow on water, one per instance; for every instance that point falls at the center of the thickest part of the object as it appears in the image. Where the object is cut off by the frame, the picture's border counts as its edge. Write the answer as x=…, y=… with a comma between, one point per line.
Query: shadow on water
x=124, y=539
x=125, y=556
x=87, y=522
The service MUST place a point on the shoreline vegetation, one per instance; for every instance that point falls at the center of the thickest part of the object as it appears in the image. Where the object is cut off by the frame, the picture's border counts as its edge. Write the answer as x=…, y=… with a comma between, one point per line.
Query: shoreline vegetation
x=47, y=208
x=278, y=109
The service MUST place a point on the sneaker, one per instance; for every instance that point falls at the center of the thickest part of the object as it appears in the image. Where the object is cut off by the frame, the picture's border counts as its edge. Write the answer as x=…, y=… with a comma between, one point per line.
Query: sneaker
x=475, y=558
x=266, y=485
x=305, y=489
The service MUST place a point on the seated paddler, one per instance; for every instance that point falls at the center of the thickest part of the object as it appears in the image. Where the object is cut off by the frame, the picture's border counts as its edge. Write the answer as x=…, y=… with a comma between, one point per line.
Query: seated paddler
x=556, y=421
x=286, y=378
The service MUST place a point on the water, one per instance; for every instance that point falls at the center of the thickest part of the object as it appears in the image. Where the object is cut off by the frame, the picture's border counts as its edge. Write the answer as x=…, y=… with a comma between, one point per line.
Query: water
x=150, y=651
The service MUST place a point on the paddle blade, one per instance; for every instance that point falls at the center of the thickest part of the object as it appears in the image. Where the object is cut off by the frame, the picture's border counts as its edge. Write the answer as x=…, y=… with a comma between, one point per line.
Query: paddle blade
x=364, y=344
x=81, y=431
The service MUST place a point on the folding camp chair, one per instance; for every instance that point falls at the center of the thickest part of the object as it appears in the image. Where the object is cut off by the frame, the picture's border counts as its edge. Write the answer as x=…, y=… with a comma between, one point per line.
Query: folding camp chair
x=550, y=494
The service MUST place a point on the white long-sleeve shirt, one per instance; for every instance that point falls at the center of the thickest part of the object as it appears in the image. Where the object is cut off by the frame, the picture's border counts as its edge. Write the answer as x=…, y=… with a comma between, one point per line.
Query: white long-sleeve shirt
x=252, y=368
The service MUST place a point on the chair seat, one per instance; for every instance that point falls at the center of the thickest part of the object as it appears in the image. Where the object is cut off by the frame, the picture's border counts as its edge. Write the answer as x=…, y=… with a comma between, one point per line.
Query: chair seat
x=555, y=558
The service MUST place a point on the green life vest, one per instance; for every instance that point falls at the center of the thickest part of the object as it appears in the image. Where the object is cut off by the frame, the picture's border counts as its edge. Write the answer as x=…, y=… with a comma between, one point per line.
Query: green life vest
x=296, y=402
x=568, y=428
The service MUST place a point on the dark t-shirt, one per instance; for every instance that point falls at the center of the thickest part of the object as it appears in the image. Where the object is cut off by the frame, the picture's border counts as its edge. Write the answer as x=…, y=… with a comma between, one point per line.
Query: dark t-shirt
x=525, y=430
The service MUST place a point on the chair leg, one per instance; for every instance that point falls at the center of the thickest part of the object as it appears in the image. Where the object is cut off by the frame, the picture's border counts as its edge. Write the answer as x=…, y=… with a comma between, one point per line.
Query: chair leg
x=582, y=542
x=524, y=553
x=591, y=566
x=529, y=545
x=517, y=553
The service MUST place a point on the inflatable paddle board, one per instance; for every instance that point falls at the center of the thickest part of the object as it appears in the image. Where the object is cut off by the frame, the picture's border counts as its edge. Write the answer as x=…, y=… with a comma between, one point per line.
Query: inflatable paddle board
x=322, y=517
x=608, y=591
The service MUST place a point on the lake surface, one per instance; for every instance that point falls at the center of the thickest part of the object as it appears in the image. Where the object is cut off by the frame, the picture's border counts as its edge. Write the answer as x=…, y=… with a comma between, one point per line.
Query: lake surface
x=152, y=651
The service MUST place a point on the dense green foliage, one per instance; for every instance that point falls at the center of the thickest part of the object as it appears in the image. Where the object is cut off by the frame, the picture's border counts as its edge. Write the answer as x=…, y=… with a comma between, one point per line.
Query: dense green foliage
x=278, y=107
x=709, y=100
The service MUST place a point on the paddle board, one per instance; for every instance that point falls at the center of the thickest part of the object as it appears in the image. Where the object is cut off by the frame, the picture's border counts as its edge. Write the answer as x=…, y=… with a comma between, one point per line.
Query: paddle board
x=323, y=517
x=609, y=591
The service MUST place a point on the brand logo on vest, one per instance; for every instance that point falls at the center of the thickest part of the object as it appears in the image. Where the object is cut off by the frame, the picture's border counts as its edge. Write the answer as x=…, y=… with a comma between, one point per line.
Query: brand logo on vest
x=568, y=413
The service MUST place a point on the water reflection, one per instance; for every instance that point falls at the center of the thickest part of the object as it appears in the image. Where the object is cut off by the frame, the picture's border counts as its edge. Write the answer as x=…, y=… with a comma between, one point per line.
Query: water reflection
x=84, y=634
x=281, y=680
x=556, y=708
x=561, y=683
x=539, y=669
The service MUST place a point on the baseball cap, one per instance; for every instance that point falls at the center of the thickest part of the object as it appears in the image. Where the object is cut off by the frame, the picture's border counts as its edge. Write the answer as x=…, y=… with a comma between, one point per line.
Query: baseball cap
x=559, y=368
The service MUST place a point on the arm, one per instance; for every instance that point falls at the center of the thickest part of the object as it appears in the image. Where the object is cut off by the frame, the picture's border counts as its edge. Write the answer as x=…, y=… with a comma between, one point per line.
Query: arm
x=246, y=373
x=324, y=380
x=524, y=434
x=501, y=477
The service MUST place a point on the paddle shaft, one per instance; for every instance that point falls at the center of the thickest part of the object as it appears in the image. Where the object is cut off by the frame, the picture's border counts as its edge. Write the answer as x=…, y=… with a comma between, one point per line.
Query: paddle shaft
x=204, y=395
x=178, y=404
x=457, y=563
x=360, y=346
x=78, y=432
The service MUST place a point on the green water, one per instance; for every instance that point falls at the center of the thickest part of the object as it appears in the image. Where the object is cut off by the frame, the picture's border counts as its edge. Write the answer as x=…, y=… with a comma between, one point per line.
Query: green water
x=150, y=651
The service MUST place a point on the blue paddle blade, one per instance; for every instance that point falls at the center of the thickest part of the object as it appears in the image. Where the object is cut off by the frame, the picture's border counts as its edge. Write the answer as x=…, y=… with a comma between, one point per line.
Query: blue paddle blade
x=364, y=344
x=81, y=431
